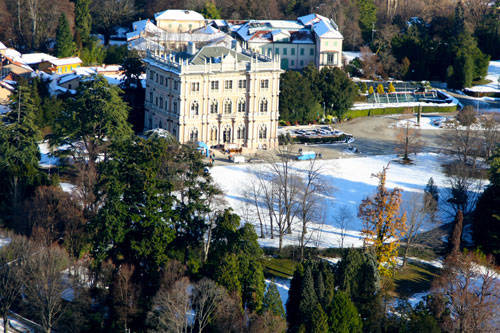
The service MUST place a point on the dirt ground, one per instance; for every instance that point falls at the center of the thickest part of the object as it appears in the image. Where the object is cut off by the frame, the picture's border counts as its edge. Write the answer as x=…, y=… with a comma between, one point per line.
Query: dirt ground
x=373, y=136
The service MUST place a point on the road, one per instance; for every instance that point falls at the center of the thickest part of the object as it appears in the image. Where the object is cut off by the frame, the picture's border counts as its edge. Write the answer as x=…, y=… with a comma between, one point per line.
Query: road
x=481, y=105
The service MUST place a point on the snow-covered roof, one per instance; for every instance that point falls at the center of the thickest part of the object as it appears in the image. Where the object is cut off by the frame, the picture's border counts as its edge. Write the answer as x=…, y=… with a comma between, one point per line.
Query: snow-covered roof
x=324, y=29
x=7, y=85
x=179, y=15
x=68, y=77
x=207, y=30
x=139, y=25
x=268, y=30
x=36, y=58
x=13, y=54
x=65, y=61
x=144, y=26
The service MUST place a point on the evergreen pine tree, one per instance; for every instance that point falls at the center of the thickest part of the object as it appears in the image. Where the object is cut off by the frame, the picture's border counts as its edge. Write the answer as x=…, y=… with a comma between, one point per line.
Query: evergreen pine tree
x=294, y=293
x=210, y=11
x=83, y=20
x=343, y=317
x=468, y=62
x=320, y=286
x=328, y=280
x=19, y=152
x=252, y=283
x=367, y=18
x=228, y=274
x=65, y=47
x=431, y=190
x=272, y=301
x=308, y=299
x=486, y=226
x=319, y=322
x=358, y=276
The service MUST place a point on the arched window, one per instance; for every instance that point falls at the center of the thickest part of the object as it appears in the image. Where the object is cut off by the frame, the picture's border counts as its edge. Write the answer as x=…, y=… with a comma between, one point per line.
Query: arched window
x=263, y=132
x=213, y=134
x=228, y=106
x=226, y=135
x=193, y=135
x=194, y=108
x=263, y=105
x=242, y=105
x=214, y=107
x=240, y=133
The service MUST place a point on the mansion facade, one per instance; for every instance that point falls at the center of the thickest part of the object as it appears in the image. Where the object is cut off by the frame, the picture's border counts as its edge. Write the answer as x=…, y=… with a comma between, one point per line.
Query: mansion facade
x=218, y=95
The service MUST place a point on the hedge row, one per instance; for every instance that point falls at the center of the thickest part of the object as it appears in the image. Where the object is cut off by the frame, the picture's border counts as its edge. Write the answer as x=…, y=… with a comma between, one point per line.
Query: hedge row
x=396, y=110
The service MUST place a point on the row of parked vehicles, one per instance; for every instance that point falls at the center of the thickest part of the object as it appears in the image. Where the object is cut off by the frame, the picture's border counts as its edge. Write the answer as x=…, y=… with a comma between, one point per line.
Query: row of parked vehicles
x=321, y=131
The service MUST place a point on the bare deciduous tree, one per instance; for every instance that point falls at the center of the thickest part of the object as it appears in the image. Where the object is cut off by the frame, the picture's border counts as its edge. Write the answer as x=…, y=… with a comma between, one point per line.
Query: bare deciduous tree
x=310, y=205
x=408, y=138
x=43, y=284
x=170, y=307
x=464, y=189
x=469, y=283
x=277, y=189
x=490, y=135
x=370, y=63
x=12, y=262
x=207, y=298
x=462, y=140
x=342, y=220
x=416, y=216
x=216, y=204
x=124, y=295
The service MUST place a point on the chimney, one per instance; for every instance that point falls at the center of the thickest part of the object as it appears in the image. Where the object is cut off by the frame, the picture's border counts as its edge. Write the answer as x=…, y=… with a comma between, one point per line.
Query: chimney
x=191, y=48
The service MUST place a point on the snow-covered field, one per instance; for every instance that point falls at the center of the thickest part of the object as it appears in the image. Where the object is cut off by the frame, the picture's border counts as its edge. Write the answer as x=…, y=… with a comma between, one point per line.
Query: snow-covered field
x=432, y=123
x=493, y=76
x=352, y=181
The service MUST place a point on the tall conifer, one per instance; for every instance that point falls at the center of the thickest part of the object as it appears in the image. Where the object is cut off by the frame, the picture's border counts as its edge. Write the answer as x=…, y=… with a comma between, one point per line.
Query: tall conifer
x=65, y=47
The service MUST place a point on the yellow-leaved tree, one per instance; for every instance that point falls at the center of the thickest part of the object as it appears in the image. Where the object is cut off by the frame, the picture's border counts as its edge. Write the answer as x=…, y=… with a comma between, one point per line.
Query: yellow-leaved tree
x=391, y=88
x=380, y=89
x=383, y=225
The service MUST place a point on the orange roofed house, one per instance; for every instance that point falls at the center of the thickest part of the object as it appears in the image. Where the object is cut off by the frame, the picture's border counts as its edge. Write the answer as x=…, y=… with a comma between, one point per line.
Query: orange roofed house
x=61, y=65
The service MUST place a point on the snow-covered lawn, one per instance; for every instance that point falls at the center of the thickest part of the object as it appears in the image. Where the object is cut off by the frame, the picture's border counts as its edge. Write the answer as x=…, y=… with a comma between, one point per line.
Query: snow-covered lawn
x=432, y=123
x=493, y=76
x=352, y=181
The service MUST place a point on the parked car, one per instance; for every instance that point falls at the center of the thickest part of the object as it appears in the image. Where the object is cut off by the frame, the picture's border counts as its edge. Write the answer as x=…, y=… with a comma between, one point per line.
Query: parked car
x=306, y=155
x=237, y=159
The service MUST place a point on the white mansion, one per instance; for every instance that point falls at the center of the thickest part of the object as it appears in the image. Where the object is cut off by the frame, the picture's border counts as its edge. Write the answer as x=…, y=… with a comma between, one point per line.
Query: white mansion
x=217, y=95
